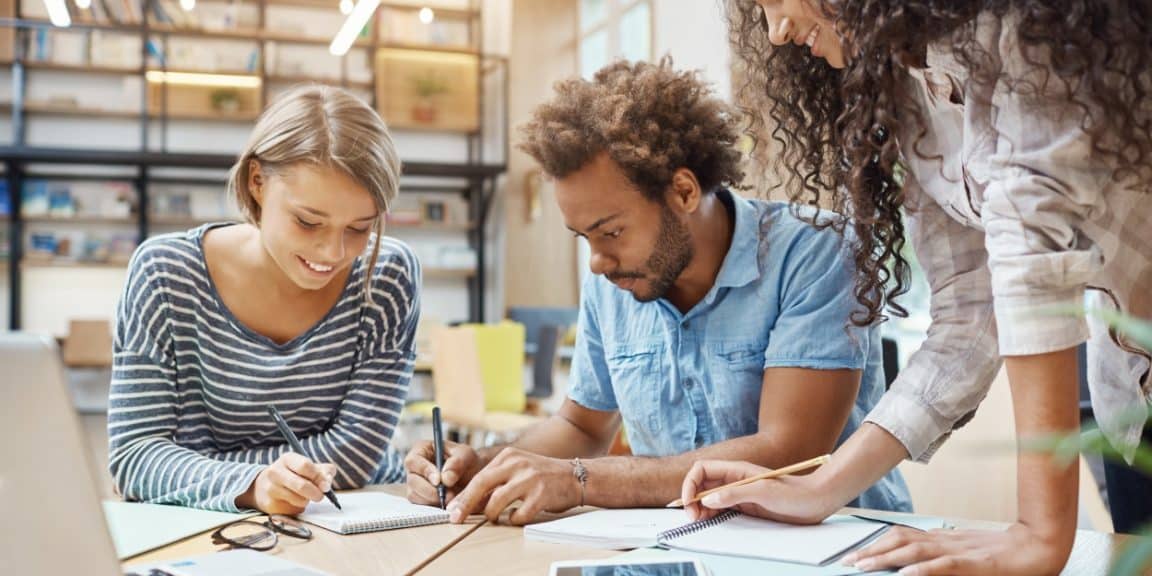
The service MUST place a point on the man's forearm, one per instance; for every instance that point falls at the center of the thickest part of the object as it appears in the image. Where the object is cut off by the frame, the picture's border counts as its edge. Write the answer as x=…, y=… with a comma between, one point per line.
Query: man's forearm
x=629, y=481
x=555, y=437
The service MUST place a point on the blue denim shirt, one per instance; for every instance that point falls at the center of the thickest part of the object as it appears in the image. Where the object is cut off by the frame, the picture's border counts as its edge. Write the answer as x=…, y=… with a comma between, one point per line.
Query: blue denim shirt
x=782, y=298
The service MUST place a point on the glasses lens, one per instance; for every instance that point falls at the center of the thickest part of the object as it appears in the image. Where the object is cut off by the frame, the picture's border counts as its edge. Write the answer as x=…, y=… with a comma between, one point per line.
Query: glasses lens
x=249, y=535
x=289, y=526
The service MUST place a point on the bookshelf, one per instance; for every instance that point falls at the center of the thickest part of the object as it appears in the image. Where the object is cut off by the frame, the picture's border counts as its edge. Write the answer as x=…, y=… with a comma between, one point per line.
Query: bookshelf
x=420, y=76
x=144, y=211
x=118, y=66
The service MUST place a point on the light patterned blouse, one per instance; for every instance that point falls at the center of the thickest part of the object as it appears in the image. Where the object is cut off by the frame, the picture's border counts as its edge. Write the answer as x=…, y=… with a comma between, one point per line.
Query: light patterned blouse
x=1012, y=219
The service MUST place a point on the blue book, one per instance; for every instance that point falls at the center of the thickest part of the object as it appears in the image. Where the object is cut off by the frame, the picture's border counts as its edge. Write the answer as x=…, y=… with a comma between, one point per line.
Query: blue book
x=5, y=201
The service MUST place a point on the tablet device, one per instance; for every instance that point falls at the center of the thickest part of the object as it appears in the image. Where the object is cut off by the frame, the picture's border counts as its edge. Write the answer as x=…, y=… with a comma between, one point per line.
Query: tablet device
x=630, y=566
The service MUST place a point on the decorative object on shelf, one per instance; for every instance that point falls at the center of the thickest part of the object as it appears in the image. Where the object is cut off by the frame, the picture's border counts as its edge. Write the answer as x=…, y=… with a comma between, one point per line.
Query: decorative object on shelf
x=428, y=89
x=226, y=100
x=405, y=211
x=434, y=211
x=428, y=85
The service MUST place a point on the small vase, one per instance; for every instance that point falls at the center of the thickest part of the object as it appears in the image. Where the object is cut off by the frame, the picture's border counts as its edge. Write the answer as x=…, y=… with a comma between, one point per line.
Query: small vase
x=424, y=112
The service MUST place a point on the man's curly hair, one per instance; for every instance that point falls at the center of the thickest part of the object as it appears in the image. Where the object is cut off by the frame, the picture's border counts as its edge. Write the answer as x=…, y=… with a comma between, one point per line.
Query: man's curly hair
x=651, y=120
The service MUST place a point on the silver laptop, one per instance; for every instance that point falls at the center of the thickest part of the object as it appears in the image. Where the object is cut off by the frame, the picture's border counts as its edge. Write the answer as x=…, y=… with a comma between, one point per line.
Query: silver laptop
x=52, y=521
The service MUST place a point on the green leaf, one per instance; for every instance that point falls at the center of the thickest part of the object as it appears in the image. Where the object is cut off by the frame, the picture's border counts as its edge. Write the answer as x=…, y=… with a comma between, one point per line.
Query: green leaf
x=1140, y=331
x=1134, y=558
x=1065, y=448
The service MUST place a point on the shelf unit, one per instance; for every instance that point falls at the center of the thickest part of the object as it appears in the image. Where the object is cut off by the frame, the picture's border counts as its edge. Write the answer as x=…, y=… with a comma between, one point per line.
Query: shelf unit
x=393, y=93
x=474, y=178
x=476, y=183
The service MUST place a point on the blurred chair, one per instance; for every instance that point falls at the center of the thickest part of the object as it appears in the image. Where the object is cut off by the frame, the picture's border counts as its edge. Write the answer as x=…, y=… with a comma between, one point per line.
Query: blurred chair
x=478, y=378
x=544, y=329
x=891, y=354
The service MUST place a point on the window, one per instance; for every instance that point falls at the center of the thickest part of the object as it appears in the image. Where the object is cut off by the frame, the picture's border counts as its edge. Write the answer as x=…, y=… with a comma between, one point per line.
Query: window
x=611, y=29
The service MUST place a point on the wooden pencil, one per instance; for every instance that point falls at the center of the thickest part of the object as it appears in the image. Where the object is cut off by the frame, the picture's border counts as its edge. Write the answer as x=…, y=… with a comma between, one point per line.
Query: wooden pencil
x=799, y=466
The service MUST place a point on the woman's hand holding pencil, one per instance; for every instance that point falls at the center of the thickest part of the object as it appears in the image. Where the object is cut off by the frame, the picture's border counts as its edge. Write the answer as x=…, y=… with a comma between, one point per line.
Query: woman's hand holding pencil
x=712, y=486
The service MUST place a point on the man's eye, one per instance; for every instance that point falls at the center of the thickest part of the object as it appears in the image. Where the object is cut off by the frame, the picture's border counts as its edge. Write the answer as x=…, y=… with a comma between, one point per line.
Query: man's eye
x=614, y=233
x=305, y=223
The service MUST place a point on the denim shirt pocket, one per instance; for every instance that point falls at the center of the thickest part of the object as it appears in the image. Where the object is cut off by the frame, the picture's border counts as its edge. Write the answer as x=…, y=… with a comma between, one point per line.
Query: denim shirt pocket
x=635, y=372
x=738, y=380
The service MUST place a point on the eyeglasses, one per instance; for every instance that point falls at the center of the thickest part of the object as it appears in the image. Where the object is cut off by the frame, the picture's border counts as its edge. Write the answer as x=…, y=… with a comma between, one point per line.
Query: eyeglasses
x=260, y=536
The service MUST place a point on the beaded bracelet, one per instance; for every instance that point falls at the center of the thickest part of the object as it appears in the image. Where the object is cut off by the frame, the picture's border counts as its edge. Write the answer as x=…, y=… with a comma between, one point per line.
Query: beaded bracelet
x=581, y=474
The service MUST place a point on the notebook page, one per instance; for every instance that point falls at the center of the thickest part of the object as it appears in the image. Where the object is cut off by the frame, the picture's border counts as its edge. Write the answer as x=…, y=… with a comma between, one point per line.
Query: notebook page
x=759, y=538
x=368, y=511
x=612, y=529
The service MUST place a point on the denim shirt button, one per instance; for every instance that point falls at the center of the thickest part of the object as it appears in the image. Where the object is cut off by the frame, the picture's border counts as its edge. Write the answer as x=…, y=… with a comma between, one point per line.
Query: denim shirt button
x=684, y=324
x=688, y=383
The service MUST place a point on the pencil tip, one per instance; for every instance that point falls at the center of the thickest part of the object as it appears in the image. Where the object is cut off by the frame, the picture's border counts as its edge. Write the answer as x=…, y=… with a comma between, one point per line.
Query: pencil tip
x=674, y=504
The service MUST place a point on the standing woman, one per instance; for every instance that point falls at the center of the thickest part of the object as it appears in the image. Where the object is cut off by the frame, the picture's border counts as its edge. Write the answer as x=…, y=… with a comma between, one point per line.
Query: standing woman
x=1013, y=138
x=306, y=306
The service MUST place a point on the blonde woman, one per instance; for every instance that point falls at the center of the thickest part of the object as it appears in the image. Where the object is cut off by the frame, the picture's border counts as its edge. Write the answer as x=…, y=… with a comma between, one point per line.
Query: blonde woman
x=305, y=306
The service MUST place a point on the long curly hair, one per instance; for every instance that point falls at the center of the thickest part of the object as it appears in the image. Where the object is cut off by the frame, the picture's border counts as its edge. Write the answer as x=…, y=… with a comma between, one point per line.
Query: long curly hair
x=831, y=132
x=650, y=119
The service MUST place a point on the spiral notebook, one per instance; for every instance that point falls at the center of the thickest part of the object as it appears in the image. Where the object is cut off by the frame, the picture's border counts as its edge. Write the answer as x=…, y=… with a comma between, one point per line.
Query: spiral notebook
x=729, y=534
x=369, y=512
x=735, y=534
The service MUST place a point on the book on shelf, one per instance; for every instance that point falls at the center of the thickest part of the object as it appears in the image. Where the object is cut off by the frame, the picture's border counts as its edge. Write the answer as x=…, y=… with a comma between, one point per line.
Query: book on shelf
x=403, y=26
x=79, y=246
x=198, y=203
x=114, y=49
x=102, y=199
x=5, y=201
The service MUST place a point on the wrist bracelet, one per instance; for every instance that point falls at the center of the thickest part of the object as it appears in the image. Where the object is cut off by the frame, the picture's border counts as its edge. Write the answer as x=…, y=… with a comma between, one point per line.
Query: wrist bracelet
x=581, y=474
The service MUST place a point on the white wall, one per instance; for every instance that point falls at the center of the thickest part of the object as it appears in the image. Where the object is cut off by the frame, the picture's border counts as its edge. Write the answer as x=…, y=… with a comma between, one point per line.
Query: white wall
x=695, y=34
x=52, y=296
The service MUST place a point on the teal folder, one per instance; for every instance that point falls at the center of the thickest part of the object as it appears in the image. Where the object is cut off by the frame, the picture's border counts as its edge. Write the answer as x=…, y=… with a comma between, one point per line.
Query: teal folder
x=137, y=528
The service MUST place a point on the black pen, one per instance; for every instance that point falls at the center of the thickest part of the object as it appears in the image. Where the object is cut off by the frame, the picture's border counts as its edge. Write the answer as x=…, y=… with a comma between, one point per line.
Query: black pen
x=294, y=443
x=438, y=447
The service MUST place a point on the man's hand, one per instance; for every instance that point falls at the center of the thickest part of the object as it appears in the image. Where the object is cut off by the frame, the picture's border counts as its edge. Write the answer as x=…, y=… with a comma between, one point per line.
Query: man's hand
x=460, y=464
x=1018, y=550
x=539, y=482
x=288, y=485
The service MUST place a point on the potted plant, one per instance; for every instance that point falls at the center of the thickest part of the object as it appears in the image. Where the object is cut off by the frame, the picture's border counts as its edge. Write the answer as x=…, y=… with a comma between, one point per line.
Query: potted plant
x=226, y=100
x=427, y=86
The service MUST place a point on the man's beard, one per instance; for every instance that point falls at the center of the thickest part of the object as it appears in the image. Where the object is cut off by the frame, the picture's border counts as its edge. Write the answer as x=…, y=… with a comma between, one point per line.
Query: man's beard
x=672, y=254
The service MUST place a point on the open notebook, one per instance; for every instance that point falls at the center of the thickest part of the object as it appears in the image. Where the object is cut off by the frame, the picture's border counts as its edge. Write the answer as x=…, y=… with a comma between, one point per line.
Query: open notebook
x=730, y=534
x=369, y=512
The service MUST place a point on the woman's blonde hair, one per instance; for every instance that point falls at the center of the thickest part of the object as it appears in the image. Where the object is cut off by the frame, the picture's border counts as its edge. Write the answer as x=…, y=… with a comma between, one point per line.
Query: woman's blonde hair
x=327, y=127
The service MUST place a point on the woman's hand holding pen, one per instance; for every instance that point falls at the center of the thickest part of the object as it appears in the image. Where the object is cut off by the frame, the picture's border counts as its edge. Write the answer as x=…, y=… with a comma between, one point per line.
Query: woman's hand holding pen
x=288, y=485
x=461, y=463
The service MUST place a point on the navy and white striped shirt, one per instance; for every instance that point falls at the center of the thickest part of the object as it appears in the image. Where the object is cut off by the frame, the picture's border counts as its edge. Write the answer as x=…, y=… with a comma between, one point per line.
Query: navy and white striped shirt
x=187, y=419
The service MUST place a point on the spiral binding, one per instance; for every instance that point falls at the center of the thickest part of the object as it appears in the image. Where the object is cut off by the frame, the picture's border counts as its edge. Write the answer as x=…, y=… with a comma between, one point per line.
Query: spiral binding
x=357, y=526
x=696, y=526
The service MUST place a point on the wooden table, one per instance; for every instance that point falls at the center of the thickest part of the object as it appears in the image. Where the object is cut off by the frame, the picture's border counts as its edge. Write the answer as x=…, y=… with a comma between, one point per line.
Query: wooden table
x=371, y=553
x=519, y=557
x=490, y=549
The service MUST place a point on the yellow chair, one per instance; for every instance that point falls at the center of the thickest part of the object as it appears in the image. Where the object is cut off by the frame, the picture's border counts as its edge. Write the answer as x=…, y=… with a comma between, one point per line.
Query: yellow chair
x=478, y=378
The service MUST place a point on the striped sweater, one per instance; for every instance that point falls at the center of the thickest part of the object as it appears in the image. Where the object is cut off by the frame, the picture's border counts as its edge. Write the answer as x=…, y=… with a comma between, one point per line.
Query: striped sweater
x=187, y=417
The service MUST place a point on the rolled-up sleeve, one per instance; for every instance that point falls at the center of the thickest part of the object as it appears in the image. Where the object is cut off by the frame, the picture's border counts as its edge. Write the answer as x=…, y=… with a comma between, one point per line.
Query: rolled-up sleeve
x=947, y=378
x=1045, y=184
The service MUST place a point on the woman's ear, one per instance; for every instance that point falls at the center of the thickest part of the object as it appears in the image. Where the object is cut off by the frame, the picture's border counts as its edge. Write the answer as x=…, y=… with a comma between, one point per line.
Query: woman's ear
x=256, y=182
